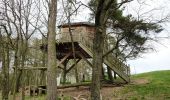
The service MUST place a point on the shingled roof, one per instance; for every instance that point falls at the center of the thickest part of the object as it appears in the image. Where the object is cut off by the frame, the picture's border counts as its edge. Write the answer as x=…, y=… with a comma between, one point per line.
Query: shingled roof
x=77, y=24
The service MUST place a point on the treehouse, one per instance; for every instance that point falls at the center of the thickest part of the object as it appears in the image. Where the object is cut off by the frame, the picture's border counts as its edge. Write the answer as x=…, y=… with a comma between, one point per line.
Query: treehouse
x=76, y=41
x=80, y=33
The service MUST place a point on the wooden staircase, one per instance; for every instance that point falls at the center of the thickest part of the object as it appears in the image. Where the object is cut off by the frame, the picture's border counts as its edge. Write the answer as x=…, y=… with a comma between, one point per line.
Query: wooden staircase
x=121, y=69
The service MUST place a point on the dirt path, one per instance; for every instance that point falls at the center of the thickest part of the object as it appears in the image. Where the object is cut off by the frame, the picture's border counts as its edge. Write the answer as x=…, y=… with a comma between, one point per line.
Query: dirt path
x=108, y=93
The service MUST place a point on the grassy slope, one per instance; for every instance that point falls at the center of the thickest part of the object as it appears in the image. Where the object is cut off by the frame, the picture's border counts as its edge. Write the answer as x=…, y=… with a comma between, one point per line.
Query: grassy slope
x=157, y=88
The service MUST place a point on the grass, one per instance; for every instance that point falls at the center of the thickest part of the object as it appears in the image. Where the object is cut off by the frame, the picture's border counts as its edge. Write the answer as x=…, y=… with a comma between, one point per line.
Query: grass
x=158, y=87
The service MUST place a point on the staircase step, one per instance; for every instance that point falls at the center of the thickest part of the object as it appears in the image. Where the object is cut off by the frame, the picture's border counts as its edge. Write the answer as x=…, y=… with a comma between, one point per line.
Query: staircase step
x=121, y=74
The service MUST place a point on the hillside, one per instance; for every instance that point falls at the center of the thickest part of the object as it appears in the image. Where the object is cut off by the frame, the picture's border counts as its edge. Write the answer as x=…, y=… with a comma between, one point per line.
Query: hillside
x=148, y=86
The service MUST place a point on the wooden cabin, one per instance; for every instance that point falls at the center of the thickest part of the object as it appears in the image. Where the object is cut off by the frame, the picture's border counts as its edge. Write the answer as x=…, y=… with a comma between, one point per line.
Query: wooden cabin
x=79, y=30
x=82, y=32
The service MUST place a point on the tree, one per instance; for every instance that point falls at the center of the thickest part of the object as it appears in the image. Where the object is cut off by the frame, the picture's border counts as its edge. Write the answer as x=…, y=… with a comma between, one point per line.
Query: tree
x=17, y=16
x=98, y=44
x=129, y=34
x=51, y=64
x=4, y=52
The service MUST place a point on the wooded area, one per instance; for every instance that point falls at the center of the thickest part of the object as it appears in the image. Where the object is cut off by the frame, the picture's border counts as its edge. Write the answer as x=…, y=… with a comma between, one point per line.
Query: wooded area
x=41, y=46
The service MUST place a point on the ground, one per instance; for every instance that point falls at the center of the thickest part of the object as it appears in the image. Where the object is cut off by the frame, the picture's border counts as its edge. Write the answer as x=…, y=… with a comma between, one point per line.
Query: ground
x=146, y=86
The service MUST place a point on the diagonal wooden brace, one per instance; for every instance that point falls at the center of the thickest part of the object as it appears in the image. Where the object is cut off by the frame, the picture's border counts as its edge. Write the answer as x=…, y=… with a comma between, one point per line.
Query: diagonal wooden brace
x=84, y=58
x=59, y=62
x=72, y=66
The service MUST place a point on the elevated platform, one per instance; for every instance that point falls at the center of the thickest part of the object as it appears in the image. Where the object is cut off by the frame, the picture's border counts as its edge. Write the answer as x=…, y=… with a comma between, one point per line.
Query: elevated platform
x=63, y=48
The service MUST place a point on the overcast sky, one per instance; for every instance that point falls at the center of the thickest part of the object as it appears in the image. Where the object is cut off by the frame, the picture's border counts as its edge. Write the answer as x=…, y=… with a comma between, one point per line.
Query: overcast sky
x=157, y=9
x=159, y=59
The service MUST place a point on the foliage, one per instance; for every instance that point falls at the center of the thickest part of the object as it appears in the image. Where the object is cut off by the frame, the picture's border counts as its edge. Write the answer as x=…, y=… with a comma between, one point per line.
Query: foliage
x=131, y=35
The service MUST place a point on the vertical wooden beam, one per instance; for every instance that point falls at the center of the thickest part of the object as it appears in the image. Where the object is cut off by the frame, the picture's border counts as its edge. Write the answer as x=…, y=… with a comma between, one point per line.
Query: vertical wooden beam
x=64, y=71
x=115, y=77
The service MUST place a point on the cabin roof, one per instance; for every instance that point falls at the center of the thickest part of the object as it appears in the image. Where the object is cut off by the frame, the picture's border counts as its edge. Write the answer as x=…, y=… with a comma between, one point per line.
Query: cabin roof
x=77, y=24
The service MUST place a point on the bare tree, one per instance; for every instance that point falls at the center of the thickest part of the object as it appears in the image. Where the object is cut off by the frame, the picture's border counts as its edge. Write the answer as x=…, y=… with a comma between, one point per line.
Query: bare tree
x=17, y=16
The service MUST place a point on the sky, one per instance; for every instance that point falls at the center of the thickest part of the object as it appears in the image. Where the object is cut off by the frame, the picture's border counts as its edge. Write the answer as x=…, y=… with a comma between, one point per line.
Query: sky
x=158, y=59
x=152, y=10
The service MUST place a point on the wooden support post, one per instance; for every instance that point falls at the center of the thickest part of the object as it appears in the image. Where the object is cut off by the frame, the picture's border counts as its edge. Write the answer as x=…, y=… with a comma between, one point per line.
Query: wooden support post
x=64, y=71
x=61, y=66
x=102, y=77
x=82, y=56
x=109, y=73
x=60, y=62
x=115, y=76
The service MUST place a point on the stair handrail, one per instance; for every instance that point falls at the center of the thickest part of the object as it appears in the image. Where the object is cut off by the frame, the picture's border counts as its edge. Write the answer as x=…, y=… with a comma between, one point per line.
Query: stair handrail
x=120, y=65
x=87, y=41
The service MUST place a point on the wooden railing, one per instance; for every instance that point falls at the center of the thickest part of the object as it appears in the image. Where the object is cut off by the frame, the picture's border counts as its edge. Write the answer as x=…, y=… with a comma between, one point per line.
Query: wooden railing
x=86, y=41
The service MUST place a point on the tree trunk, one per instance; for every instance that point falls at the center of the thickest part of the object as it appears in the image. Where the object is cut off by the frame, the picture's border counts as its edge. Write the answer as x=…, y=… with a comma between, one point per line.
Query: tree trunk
x=16, y=63
x=101, y=16
x=23, y=78
x=18, y=80
x=98, y=45
x=44, y=59
x=51, y=70
x=24, y=49
x=5, y=72
x=97, y=64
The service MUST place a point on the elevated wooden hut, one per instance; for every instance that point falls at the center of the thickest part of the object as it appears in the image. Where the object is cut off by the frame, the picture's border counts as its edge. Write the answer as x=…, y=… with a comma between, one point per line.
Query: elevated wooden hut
x=82, y=36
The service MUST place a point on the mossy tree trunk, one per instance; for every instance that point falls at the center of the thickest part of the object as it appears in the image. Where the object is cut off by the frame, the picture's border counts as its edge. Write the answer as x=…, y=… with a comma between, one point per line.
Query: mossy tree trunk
x=5, y=71
x=16, y=62
x=101, y=16
x=24, y=49
x=51, y=70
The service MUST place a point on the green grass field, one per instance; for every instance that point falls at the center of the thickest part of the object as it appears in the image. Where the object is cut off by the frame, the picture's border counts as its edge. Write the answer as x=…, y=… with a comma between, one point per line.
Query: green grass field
x=157, y=87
